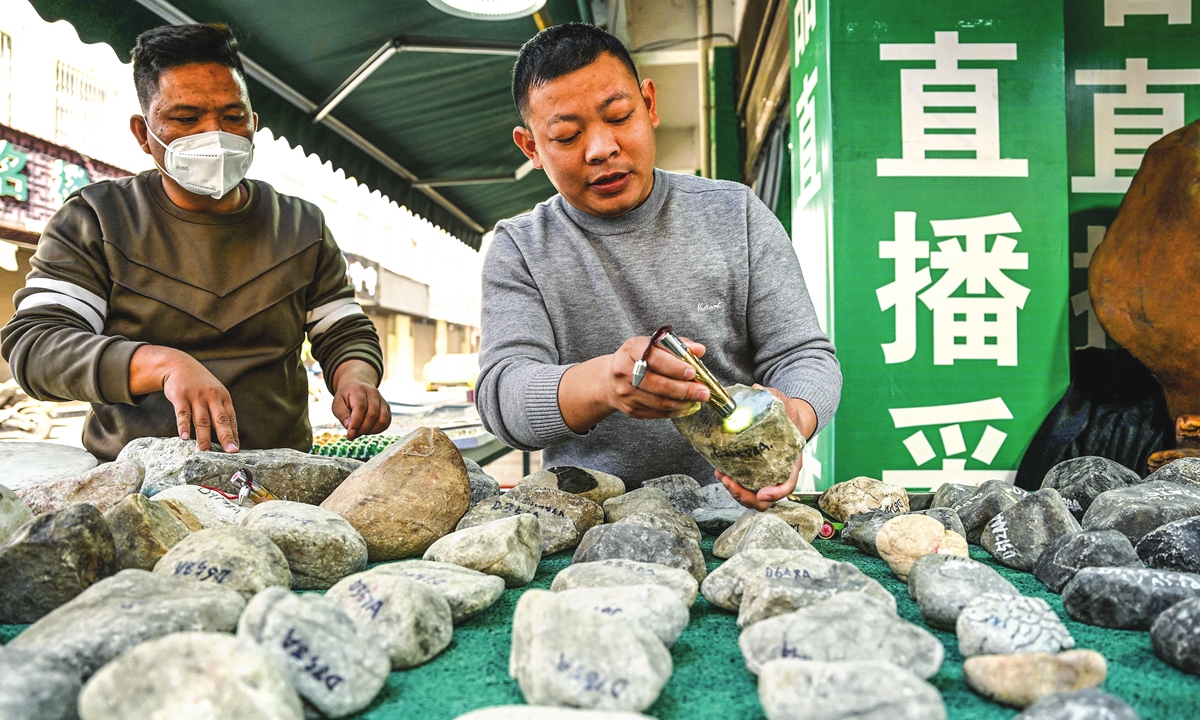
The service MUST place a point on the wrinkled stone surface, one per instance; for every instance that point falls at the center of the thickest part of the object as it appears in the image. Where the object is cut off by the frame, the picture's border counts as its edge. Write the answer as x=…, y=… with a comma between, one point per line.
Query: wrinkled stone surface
x=483, y=486
x=238, y=558
x=530, y=712
x=192, y=676
x=209, y=507
x=103, y=486
x=942, y=585
x=406, y=497
x=633, y=542
x=23, y=464
x=1184, y=471
x=848, y=627
x=903, y=539
x=558, y=532
x=653, y=608
x=948, y=494
x=1017, y=536
x=676, y=523
x=718, y=496
x=619, y=573
x=1125, y=598
x=51, y=559
x=1176, y=635
x=181, y=513
x=567, y=655
x=714, y=521
x=1174, y=546
x=468, y=592
x=725, y=585
x=768, y=532
x=1080, y=480
x=860, y=495
x=331, y=665
x=1003, y=624
x=805, y=520
x=409, y=619
x=509, y=549
x=782, y=592
x=810, y=690
x=977, y=509
x=1089, y=704
x=591, y=484
x=1024, y=678
x=162, y=458
x=682, y=490
x=143, y=531
x=725, y=545
x=1137, y=510
x=579, y=510
x=640, y=500
x=947, y=517
x=34, y=687
x=320, y=546
x=13, y=513
x=860, y=530
x=1069, y=554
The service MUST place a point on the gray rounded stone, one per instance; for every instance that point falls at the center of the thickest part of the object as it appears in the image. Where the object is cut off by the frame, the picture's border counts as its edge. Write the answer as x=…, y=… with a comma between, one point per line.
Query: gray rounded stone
x=725, y=545
x=769, y=532
x=1017, y=536
x=558, y=532
x=1081, y=480
x=653, y=608
x=946, y=516
x=942, y=585
x=719, y=497
x=208, y=506
x=235, y=557
x=714, y=521
x=483, y=486
x=778, y=590
x=682, y=490
x=143, y=531
x=1137, y=510
x=977, y=509
x=641, y=500
x=1069, y=554
x=510, y=549
x=869, y=690
x=1174, y=546
x=1003, y=624
x=633, y=542
x=13, y=513
x=948, y=494
x=725, y=585
x=103, y=487
x=619, y=572
x=409, y=619
x=1184, y=471
x=468, y=592
x=1176, y=635
x=1089, y=704
x=676, y=523
x=590, y=484
x=806, y=521
x=1125, y=598
x=33, y=686
x=320, y=546
x=576, y=508
x=860, y=530
x=23, y=464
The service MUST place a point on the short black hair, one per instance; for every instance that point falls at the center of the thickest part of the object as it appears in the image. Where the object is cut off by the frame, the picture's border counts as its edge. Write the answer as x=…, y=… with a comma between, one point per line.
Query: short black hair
x=170, y=46
x=562, y=49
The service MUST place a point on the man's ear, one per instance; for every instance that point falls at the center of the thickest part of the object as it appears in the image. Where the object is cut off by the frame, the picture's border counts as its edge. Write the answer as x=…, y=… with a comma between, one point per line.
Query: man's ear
x=524, y=140
x=255, y=115
x=137, y=126
x=650, y=97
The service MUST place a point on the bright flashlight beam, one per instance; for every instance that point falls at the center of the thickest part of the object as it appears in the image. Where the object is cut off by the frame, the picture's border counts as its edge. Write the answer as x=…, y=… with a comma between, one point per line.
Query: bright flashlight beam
x=742, y=418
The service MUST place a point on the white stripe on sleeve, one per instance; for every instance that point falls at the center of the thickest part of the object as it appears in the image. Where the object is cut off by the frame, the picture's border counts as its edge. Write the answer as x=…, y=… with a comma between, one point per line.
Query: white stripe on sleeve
x=79, y=293
x=318, y=313
x=328, y=321
x=85, y=311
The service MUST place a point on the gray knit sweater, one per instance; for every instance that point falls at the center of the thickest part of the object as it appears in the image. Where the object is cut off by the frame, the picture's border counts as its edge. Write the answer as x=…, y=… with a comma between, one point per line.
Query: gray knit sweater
x=561, y=287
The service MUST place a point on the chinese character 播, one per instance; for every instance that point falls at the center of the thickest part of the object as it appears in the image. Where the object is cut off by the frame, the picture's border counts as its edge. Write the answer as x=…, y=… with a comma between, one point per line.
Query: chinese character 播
x=806, y=121
x=1081, y=302
x=66, y=178
x=948, y=131
x=949, y=420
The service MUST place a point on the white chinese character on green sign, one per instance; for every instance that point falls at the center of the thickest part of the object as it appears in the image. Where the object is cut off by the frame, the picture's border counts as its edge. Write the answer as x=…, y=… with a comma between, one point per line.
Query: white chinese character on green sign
x=12, y=182
x=950, y=419
x=1178, y=12
x=1081, y=302
x=65, y=179
x=804, y=19
x=806, y=119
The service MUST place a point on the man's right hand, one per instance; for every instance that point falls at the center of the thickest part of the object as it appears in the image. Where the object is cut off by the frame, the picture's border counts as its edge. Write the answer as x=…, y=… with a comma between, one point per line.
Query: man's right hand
x=199, y=398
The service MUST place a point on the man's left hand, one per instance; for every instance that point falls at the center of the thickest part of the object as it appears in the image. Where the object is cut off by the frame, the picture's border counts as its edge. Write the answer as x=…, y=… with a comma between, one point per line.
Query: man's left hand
x=357, y=403
x=804, y=418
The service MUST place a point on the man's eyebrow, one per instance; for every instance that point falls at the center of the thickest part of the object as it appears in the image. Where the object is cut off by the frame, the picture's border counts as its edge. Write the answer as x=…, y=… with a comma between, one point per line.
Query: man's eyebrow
x=619, y=95
x=570, y=117
x=198, y=110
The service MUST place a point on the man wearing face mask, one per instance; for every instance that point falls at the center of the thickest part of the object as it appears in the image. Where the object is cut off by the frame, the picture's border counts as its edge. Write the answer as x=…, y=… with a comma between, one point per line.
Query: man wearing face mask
x=177, y=301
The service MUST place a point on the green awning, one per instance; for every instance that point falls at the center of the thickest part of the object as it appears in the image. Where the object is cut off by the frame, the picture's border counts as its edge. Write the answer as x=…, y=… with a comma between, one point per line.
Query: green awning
x=419, y=116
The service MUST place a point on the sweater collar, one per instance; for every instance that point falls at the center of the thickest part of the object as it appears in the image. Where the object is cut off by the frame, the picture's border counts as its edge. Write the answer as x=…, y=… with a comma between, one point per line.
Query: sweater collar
x=634, y=220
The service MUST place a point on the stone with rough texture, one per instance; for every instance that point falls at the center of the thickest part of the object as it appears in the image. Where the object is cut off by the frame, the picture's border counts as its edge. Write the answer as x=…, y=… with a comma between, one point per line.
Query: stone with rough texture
x=782, y=592
x=1125, y=598
x=977, y=509
x=848, y=627
x=942, y=585
x=181, y=513
x=653, y=608
x=719, y=497
x=409, y=619
x=1069, y=554
x=510, y=549
x=620, y=573
x=903, y=539
x=558, y=532
x=209, y=507
x=162, y=458
x=192, y=676
x=861, y=495
x=714, y=521
x=1176, y=635
x=483, y=486
x=805, y=520
x=103, y=486
x=768, y=532
x=407, y=496
x=947, y=517
x=143, y=531
x=51, y=559
x=320, y=546
x=860, y=530
x=1003, y=624
x=573, y=656
x=725, y=586
x=32, y=463
x=950, y=493
x=1174, y=546
x=331, y=665
x=792, y=689
x=468, y=592
x=1089, y=704
x=676, y=523
x=640, y=500
x=234, y=557
x=634, y=542
x=125, y=610
x=1184, y=471
x=682, y=490
x=591, y=484
x=13, y=513
x=1017, y=536
x=726, y=543
x=1081, y=480
x=1022, y=679
x=34, y=687
x=579, y=510
x=1137, y=510
x=529, y=712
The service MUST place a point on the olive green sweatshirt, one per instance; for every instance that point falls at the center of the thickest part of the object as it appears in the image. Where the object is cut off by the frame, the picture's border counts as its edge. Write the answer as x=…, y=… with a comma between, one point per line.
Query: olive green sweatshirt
x=120, y=265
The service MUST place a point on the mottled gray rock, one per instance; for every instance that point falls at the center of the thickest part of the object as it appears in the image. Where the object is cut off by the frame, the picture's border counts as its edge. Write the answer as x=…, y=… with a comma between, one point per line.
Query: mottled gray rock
x=51, y=559
x=805, y=520
x=192, y=676
x=331, y=665
x=208, y=506
x=31, y=463
x=410, y=619
x=238, y=558
x=1184, y=471
x=510, y=549
x=942, y=585
x=860, y=530
x=714, y=521
x=35, y=687
x=468, y=592
x=558, y=532
x=1067, y=555
x=905, y=538
x=1080, y=480
x=633, y=542
x=809, y=690
x=1176, y=635
x=947, y=517
x=676, y=523
x=1174, y=546
x=977, y=509
x=768, y=532
x=13, y=513
x=780, y=592
x=850, y=627
x=1082, y=705
x=161, y=457
x=1003, y=624
x=620, y=573
x=653, y=608
x=1139, y=509
x=530, y=712
x=861, y=495
x=1022, y=679
x=143, y=531
x=579, y=510
x=320, y=546
x=725, y=586
x=640, y=500
x=483, y=486
x=181, y=513
x=1017, y=536
x=1125, y=598
x=725, y=545
x=719, y=497
x=125, y=610
x=566, y=655
x=948, y=494
x=682, y=490
x=591, y=484
x=103, y=487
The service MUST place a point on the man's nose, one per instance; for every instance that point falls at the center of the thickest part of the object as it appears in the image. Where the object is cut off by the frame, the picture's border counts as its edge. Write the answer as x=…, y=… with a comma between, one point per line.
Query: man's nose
x=601, y=146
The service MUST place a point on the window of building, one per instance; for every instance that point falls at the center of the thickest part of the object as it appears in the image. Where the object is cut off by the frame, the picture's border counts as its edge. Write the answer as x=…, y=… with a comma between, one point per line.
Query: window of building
x=80, y=102
x=6, y=78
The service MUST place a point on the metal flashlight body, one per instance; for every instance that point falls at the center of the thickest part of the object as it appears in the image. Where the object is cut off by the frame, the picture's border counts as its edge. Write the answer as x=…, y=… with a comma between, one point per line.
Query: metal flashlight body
x=720, y=400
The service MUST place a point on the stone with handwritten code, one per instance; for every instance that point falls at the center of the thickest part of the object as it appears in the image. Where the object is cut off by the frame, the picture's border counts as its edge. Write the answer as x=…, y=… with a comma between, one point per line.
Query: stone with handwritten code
x=619, y=572
x=143, y=531
x=1022, y=679
x=1174, y=546
x=1017, y=536
x=1091, y=704
x=410, y=619
x=510, y=549
x=1069, y=554
x=103, y=486
x=1139, y=509
x=905, y=538
x=558, y=532
x=683, y=491
x=1003, y=624
x=579, y=510
x=989, y=500
x=529, y=712
x=1176, y=635
x=725, y=585
x=468, y=592
x=680, y=525
x=210, y=507
x=872, y=690
x=35, y=687
x=850, y=626
x=1081, y=480
x=13, y=513
x=572, y=656
x=634, y=542
x=860, y=530
x=645, y=499
x=333, y=665
x=587, y=483
x=650, y=607
x=860, y=495
x=483, y=486
x=320, y=546
x=192, y=676
x=779, y=590
x=950, y=493
x=942, y=585
x=235, y=557
x=1125, y=598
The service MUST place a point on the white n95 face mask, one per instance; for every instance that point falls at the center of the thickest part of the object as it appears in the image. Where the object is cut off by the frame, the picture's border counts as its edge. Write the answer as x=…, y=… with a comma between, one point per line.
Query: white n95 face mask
x=208, y=163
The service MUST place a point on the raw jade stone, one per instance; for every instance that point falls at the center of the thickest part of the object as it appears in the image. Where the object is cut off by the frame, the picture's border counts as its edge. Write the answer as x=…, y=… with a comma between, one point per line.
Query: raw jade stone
x=320, y=546
x=640, y=500
x=725, y=545
x=1174, y=546
x=861, y=495
x=181, y=513
x=103, y=487
x=35, y=687
x=1176, y=635
x=31, y=463
x=1125, y=598
x=468, y=592
x=483, y=486
x=725, y=586
x=682, y=490
x=948, y=494
x=509, y=549
x=946, y=516
x=619, y=573
x=676, y=523
x=719, y=497
x=1089, y=704
x=579, y=510
x=1017, y=536
x=409, y=619
x=234, y=557
x=714, y=521
x=1001, y=624
x=633, y=542
x=558, y=532
x=805, y=520
x=1184, y=471
x=590, y=484
x=977, y=509
x=209, y=507
x=653, y=608
x=1022, y=679
x=13, y=513
x=143, y=531
x=782, y=592
x=768, y=532
x=1081, y=480
x=760, y=456
x=564, y=655
x=868, y=690
x=192, y=676
x=943, y=585
x=905, y=538
x=860, y=530
x=1139, y=509
x=1069, y=554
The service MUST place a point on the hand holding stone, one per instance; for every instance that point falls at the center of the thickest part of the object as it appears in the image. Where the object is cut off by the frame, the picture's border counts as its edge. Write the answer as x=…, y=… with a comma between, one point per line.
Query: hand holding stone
x=805, y=419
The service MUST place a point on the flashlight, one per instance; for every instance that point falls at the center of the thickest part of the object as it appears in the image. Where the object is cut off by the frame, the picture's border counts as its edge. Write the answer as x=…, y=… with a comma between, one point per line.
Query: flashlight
x=721, y=401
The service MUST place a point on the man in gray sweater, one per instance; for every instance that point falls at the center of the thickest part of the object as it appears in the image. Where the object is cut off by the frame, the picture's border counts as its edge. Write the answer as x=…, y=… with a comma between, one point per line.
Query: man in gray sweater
x=573, y=289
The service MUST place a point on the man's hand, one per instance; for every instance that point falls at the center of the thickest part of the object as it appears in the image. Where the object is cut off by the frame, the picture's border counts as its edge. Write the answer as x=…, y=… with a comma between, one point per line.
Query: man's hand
x=199, y=398
x=804, y=418
x=357, y=403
